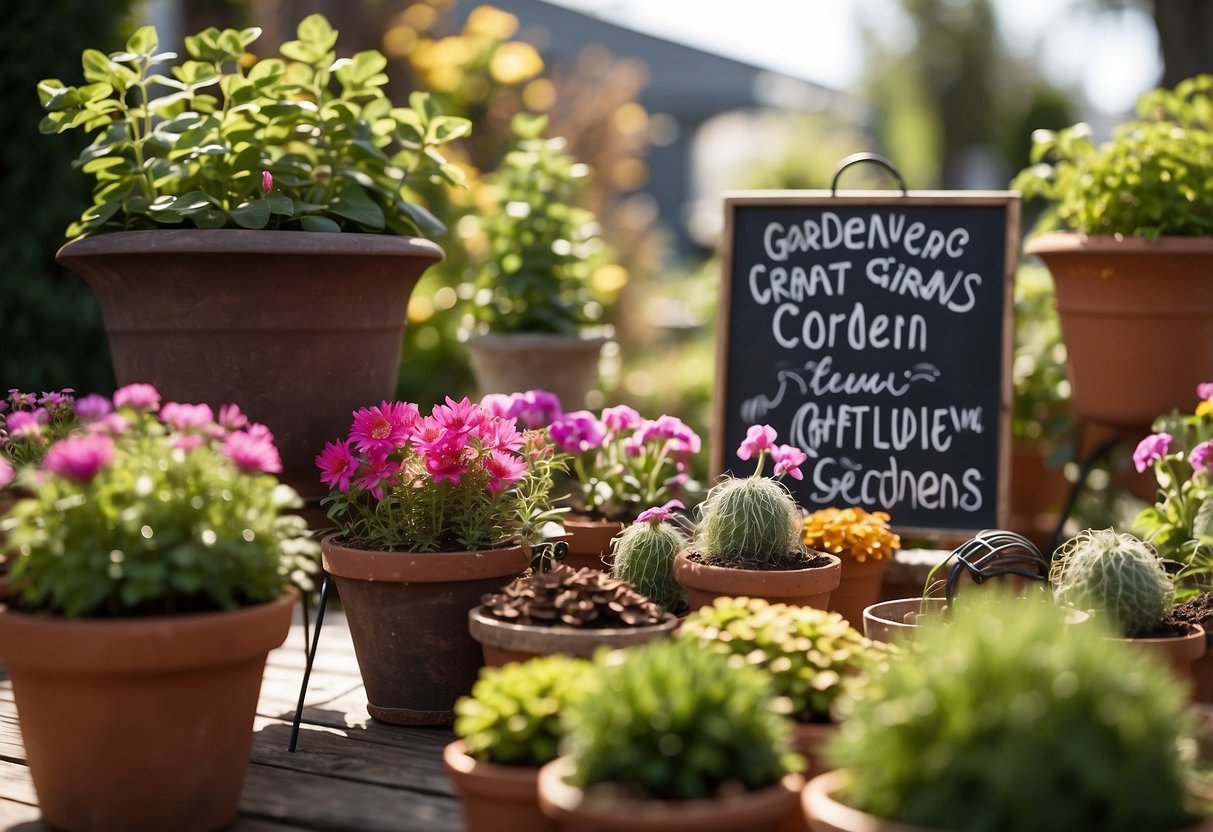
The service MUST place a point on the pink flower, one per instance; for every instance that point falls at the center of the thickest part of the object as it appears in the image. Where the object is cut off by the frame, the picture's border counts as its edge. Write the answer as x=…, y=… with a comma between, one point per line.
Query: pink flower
x=253, y=453
x=577, y=432
x=80, y=457
x=187, y=441
x=659, y=514
x=232, y=417
x=500, y=435
x=337, y=464
x=6, y=472
x=666, y=428
x=1204, y=391
x=427, y=432
x=186, y=417
x=1201, y=457
x=621, y=418
x=1150, y=449
x=536, y=409
x=112, y=424
x=137, y=397
x=383, y=428
x=27, y=424
x=498, y=404
x=757, y=439
x=267, y=181
x=20, y=399
x=93, y=408
x=447, y=458
x=377, y=470
x=788, y=460
x=459, y=416
x=56, y=398
x=504, y=470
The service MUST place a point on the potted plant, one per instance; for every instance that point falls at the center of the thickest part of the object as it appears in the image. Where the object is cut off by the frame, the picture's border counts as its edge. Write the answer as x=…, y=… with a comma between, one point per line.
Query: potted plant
x=432, y=513
x=150, y=583
x=673, y=737
x=813, y=656
x=195, y=164
x=864, y=543
x=1009, y=719
x=644, y=552
x=533, y=299
x=1131, y=259
x=747, y=539
x=507, y=729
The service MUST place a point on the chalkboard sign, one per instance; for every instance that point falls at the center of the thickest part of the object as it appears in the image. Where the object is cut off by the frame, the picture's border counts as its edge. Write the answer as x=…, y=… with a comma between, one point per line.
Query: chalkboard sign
x=872, y=330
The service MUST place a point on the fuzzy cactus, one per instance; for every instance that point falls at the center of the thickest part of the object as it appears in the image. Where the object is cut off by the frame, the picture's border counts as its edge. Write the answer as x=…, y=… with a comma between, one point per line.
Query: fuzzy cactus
x=750, y=522
x=644, y=556
x=1114, y=574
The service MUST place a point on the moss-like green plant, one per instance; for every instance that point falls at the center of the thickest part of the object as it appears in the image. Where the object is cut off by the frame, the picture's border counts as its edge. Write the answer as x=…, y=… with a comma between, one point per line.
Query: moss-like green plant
x=812, y=655
x=513, y=715
x=671, y=721
x=750, y=522
x=1115, y=574
x=1007, y=718
x=644, y=556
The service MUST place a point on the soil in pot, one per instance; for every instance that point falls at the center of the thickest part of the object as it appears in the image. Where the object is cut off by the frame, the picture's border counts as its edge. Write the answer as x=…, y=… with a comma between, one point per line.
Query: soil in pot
x=807, y=582
x=492, y=797
x=1199, y=610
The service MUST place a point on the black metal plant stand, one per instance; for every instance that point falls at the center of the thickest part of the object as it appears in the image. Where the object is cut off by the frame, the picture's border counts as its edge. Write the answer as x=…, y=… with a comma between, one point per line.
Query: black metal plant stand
x=325, y=587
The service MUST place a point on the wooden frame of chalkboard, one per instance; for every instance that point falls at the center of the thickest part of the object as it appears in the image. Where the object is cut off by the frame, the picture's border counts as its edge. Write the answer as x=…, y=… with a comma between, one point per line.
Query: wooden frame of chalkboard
x=872, y=329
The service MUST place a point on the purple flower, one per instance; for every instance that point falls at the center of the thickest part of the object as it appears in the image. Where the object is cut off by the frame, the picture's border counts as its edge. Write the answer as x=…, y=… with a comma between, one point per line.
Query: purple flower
x=267, y=181
x=137, y=397
x=20, y=399
x=185, y=417
x=56, y=398
x=788, y=460
x=26, y=424
x=1150, y=449
x=6, y=472
x=578, y=432
x=536, y=409
x=80, y=457
x=498, y=404
x=93, y=407
x=1204, y=391
x=621, y=418
x=757, y=439
x=112, y=424
x=659, y=514
x=253, y=453
x=232, y=417
x=1201, y=458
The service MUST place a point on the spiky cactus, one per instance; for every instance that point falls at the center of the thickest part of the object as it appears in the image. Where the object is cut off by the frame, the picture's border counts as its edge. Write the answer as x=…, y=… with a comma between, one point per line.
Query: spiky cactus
x=1115, y=574
x=644, y=556
x=750, y=522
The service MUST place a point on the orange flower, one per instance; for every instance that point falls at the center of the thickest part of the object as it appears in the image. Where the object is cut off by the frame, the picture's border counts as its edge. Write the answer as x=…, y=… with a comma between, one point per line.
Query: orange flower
x=853, y=531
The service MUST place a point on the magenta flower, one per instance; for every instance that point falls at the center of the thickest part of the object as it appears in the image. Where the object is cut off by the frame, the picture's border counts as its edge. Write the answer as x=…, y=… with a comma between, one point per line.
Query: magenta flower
x=376, y=471
x=447, y=459
x=27, y=424
x=6, y=472
x=788, y=460
x=112, y=424
x=20, y=399
x=1150, y=449
x=1204, y=391
x=498, y=404
x=659, y=514
x=267, y=181
x=504, y=470
x=459, y=416
x=384, y=428
x=80, y=457
x=137, y=397
x=186, y=417
x=500, y=435
x=253, y=453
x=758, y=438
x=577, y=432
x=621, y=418
x=537, y=409
x=56, y=398
x=232, y=417
x=337, y=465
x=93, y=408
x=1201, y=457
x=187, y=441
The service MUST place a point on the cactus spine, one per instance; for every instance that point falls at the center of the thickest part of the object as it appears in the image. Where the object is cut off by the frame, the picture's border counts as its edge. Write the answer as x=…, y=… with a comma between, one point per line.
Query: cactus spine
x=1115, y=574
x=750, y=521
x=644, y=556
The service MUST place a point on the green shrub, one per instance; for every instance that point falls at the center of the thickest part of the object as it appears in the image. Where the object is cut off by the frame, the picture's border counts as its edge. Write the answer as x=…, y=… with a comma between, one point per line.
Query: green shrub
x=1115, y=574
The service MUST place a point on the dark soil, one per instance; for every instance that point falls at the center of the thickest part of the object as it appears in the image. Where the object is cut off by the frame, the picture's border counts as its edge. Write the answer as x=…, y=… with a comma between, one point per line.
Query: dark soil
x=1196, y=610
x=779, y=563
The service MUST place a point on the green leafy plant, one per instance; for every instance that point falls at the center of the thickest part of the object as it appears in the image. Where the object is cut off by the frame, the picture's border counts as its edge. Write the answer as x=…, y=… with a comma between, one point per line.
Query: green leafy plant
x=305, y=141
x=1115, y=574
x=644, y=555
x=813, y=656
x=156, y=510
x=513, y=715
x=542, y=248
x=670, y=721
x=1153, y=178
x=1008, y=718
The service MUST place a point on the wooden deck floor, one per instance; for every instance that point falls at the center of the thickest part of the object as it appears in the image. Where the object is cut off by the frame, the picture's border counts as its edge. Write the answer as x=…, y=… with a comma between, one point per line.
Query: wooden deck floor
x=348, y=772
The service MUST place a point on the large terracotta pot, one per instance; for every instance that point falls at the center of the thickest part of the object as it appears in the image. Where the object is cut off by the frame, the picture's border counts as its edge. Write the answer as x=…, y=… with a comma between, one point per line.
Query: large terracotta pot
x=805, y=587
x=407, y=613
x=560, y=364
x=858, y=587
x=590, y=542
x=504, y=642
x=495, y=798
x=140, y=724
x=298, y=328
x=761, y=811
x=1128, y=307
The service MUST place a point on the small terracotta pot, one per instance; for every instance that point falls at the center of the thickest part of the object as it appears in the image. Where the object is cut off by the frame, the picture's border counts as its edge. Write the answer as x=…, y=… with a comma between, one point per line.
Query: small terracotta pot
x=140, y=724
x=760, y=811
x=504, y=642
x=590, y=542
x=407, y=613
x=495, y=798
x=561, y=364
x=811, y=738
x=858, y=588
x=1180, y=652
x=804, y=587
x=892, y=620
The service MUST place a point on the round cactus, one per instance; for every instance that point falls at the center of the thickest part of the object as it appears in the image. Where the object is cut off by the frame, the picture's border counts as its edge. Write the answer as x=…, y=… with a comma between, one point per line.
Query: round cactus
x=1114, y=574
x=644, y=557
x=751, y=521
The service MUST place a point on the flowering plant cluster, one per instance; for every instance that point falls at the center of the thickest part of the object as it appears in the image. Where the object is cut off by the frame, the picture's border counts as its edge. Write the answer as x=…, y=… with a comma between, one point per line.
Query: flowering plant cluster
x=759, y=443
x=459, y=479
x=622, y=462
x=29, y=423
x=851, y=531
x=1180, y=523
x=152, y=509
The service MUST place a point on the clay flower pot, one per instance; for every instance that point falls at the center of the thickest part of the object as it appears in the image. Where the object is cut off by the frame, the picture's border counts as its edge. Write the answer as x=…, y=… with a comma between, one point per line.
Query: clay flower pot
x=140, y=724
x=888, y=621
x=407, y=613
x=504, y=642
x=561, y=364
x=858, y=588
x=494, y=797
x=1179, y=652
x=589, y=542
x=805, y=587
x=760, y=811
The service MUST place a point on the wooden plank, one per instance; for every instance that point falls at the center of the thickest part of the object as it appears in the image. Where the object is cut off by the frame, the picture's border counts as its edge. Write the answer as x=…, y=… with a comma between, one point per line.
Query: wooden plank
x=22, y=816
x=15, y=784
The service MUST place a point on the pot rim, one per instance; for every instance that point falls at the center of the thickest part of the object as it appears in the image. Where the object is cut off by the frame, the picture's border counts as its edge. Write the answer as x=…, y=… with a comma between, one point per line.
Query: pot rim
x=1074, y=242
x=460, y=764
x=771, y=583
x=819, y=803
x=420, y=567
x=562, y=639
x=243, y=240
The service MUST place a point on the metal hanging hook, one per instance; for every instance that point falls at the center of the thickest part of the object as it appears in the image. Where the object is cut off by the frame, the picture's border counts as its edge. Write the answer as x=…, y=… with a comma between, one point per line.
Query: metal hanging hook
x=874, y=158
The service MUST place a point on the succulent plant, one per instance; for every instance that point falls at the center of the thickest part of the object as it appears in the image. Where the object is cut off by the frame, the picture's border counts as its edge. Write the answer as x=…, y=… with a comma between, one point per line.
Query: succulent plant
x=1009, y=719
x=812, y=655
x=1115, y=574
x=750, y=522
x=644, y=556
x=513, y=714
x=563, y=596
x=671, y=721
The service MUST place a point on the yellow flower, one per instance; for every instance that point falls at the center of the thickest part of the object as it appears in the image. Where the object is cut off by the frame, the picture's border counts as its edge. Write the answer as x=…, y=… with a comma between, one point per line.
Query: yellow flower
x=514, y=63
x=491, y=21
x=854, y=531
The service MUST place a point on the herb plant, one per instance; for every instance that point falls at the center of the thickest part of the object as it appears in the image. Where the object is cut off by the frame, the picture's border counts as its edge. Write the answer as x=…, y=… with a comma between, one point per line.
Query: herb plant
x=155, y=509
x=303, y=141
